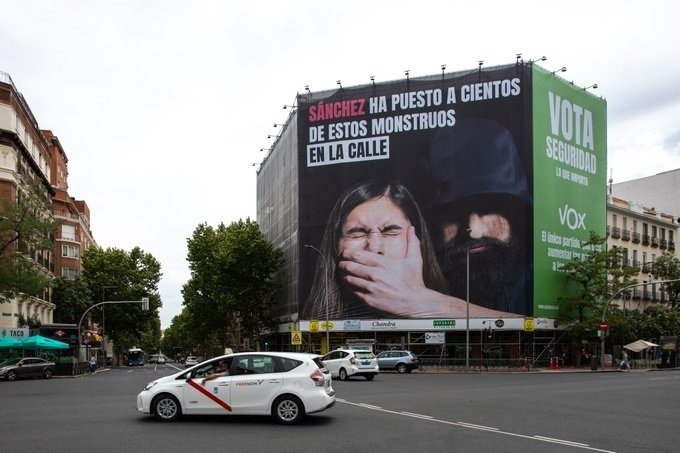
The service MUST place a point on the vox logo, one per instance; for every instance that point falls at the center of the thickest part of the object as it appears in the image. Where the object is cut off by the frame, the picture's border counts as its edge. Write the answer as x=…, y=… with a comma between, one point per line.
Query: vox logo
x=572, y=218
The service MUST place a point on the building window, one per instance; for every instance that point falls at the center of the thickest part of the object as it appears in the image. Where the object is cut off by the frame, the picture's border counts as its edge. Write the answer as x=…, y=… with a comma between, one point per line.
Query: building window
x=614, y=220
x=69, y=273
x=68, y=232
x=645, y=229
x=635, y=226
x=624, y=221
x=69, y=251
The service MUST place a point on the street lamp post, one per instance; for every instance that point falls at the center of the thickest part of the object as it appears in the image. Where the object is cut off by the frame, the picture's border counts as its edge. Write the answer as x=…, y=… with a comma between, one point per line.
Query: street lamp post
x=325, y=282
x=604, y=312
x=145, y=307
x=467, y=303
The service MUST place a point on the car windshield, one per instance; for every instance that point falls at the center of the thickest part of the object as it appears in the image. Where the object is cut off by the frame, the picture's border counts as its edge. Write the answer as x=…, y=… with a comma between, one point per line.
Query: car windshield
x=10, y=362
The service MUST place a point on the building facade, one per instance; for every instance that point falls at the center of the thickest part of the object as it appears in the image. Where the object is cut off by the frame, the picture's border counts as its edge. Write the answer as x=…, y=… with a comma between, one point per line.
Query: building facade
x=31, y=157
x=658, y=192
x=644, y=234
x=73, y=234
x=518, y=118
x=25, y=164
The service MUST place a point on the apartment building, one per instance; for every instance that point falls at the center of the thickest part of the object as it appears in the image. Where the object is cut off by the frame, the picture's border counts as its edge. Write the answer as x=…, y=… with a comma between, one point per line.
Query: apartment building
x=73, y=235
x=644, y=234
x=31, y=156
x=25, y=161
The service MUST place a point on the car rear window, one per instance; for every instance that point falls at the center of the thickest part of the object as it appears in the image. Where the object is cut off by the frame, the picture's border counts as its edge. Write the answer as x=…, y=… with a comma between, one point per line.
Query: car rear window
x=320, y=363
x=286, y=364
x=363, y=355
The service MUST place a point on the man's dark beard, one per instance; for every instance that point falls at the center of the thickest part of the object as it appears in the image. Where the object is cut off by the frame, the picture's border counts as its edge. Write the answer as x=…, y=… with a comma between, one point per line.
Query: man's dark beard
x=490, y=270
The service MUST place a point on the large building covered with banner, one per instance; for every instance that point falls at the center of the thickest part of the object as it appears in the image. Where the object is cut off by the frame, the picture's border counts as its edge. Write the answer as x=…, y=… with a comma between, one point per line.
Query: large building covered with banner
x=434, y=213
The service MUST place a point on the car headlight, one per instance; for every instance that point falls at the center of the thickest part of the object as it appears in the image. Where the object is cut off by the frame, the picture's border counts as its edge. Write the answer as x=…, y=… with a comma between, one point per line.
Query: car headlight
x=150, y=385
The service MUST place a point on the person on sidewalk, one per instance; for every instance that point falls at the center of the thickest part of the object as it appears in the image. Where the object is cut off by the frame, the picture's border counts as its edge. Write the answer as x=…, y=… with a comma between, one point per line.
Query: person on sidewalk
x=625, y=364
x=93, y=364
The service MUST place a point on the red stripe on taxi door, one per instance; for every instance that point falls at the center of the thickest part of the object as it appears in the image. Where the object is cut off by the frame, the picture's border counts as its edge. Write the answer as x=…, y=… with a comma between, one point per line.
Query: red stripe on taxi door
x=205, y=391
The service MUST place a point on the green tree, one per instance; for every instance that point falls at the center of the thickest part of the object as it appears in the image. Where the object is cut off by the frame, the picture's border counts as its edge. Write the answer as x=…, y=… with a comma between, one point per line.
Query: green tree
x=667, y=267
x=231, y=289
x=657, y=321
x=72, y=298
x=592, y=279
x=129, y=276
x=179, y=339
x=27, y=227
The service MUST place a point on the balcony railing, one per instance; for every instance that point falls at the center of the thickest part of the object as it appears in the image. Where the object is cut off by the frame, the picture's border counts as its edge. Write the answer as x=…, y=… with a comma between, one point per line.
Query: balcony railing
x=616, y=232
x=625, y=235
x=645, y=239
x=636, y=264
x=663, y=245
x=671, y=245
x=655, y=242
x=608, y=230
x=636, y=238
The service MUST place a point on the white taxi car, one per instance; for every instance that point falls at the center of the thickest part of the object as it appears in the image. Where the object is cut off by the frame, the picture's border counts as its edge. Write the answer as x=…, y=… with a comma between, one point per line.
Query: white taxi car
x=285, y=385
x=344, y=363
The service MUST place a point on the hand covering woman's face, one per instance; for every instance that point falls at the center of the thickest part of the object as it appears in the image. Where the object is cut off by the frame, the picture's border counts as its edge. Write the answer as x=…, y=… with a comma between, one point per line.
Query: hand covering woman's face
x=378, y=226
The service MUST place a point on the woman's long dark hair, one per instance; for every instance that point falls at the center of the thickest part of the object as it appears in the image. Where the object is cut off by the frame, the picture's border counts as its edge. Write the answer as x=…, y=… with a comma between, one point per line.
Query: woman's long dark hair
x=327, y=285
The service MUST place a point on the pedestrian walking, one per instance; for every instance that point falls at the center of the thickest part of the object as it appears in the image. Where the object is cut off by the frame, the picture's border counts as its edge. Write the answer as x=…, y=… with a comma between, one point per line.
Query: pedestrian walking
x=93, y=364
x=625, y=364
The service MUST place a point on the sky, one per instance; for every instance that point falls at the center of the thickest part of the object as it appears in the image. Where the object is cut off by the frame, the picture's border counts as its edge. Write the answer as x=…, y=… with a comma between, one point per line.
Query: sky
x=162, y=106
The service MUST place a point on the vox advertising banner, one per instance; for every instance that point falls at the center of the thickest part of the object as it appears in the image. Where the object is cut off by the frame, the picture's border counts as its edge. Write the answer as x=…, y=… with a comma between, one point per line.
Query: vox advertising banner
x=570, y=168
x=419, y=195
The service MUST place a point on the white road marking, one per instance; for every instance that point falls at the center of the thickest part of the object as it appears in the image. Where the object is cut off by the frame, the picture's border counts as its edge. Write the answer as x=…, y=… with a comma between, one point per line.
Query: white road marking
x=490, y=429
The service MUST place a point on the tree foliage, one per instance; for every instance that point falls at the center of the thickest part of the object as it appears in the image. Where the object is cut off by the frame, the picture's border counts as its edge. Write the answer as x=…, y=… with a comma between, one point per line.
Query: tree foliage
x=72, y=298
x=26, y=227
x=116, y=275
x=667, y=267
x=230, y=292
x=592, y=278
x=657, y=321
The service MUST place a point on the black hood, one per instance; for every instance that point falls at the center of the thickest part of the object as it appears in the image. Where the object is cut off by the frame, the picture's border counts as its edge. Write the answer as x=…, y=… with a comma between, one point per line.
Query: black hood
x=474, y=157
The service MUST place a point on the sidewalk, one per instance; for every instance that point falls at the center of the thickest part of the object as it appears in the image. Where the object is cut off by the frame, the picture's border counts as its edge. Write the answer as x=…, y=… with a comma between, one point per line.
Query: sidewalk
x=477, y=369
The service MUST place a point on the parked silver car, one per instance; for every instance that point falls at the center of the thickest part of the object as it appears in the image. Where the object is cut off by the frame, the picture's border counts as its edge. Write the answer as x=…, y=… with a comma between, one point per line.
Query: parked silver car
x=400, y=361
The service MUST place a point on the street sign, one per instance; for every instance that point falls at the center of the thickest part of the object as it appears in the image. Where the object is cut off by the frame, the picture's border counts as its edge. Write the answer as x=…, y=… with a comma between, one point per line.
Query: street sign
x=604, y=326
x=529, y=325
x=296, y=338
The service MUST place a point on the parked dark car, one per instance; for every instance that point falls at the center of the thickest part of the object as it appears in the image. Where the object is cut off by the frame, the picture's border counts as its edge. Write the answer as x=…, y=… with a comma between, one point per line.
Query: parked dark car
x=26, y=367
x=401, y=361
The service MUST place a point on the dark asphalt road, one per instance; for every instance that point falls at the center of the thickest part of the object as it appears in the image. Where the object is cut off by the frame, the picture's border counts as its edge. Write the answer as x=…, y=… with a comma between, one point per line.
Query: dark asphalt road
x=435, y=412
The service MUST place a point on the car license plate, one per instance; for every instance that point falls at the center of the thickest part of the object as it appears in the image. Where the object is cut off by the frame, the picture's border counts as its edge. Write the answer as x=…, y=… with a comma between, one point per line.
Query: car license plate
x=366, y=363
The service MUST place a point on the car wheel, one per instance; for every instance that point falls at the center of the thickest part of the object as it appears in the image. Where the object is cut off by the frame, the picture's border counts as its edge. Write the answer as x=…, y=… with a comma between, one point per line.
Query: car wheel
x=369, y=377
x=47, y=374
x=166, y=408
x=288, y=410
x=11, y=376
x=342, y=374
x=402, y=368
